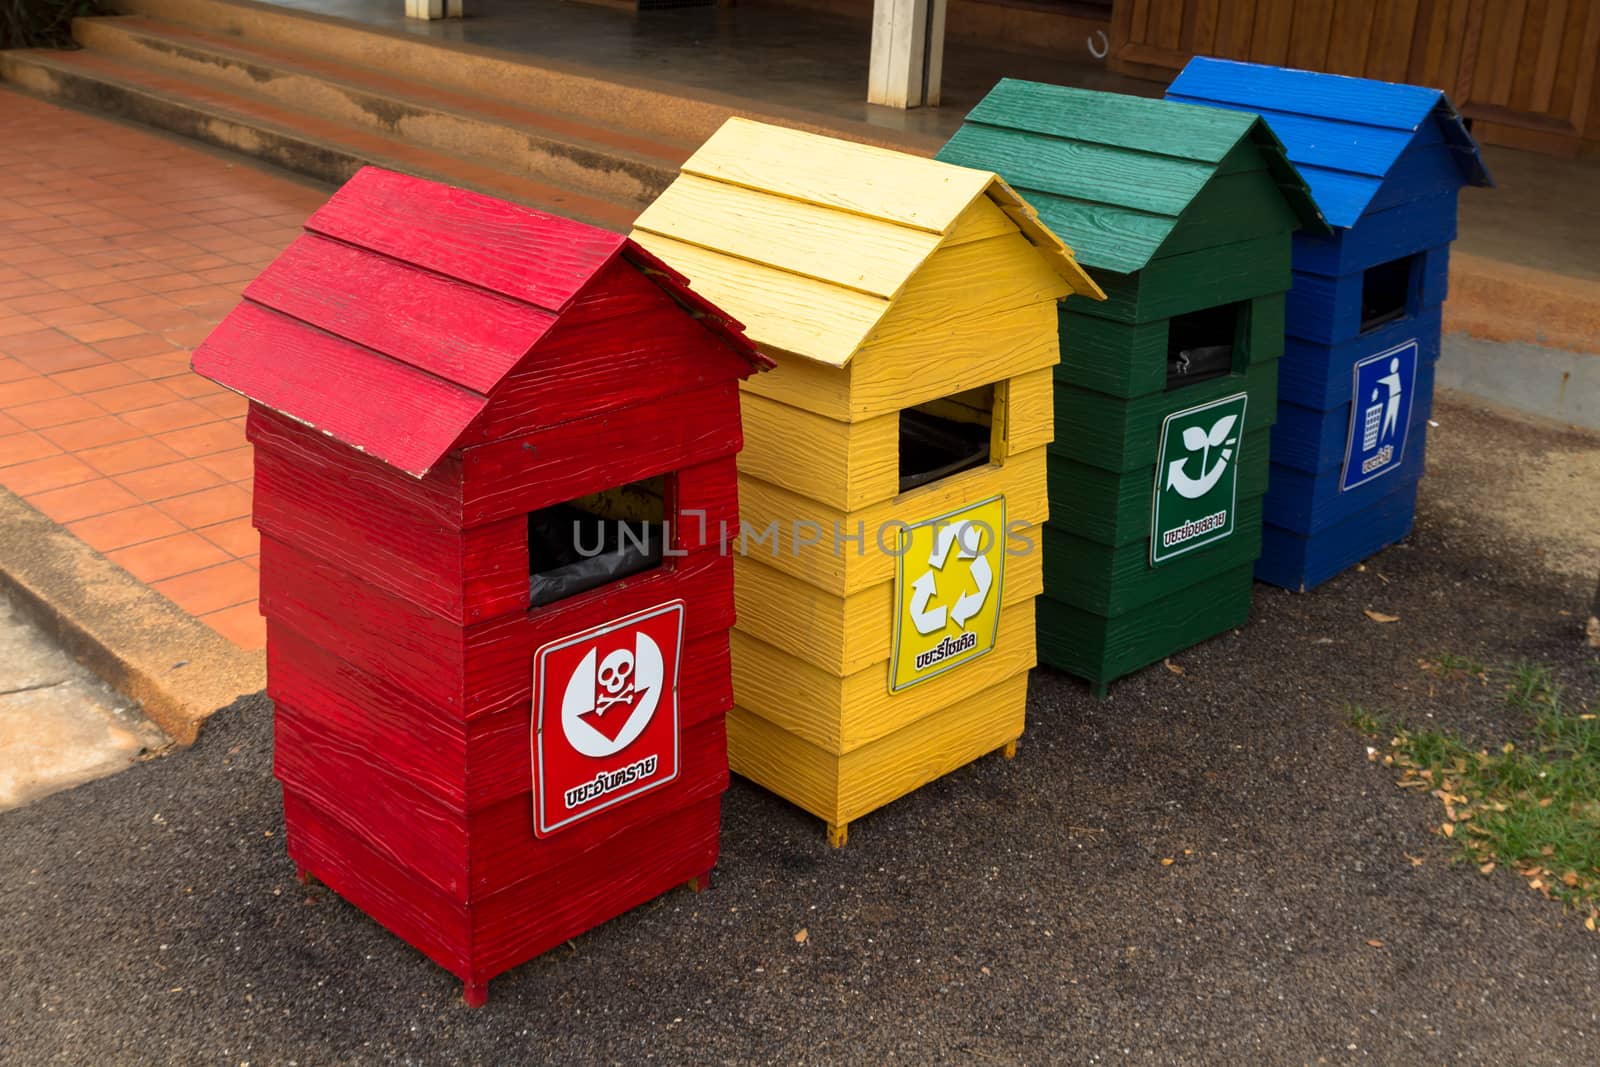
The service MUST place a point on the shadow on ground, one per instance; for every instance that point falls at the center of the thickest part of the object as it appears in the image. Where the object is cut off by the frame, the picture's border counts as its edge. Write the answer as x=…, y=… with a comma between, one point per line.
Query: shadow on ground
x=1011, y=912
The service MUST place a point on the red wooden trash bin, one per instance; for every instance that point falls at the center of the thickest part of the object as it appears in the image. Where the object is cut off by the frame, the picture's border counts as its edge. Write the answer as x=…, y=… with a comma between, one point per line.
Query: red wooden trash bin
x=494, y=460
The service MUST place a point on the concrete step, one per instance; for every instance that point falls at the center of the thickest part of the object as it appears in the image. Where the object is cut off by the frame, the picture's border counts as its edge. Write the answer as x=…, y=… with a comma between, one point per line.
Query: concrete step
x=325, y=148
x=425, y=60
x=560, y=149
x=665, y=113
x=324, y=96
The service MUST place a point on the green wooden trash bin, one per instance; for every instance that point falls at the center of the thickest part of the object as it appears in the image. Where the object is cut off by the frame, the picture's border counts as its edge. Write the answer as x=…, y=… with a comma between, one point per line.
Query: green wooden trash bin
x=1167, y=391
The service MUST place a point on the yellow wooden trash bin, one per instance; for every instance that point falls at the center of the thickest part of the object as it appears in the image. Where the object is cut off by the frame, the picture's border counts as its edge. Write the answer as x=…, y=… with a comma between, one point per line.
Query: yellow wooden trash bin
x=892, y=481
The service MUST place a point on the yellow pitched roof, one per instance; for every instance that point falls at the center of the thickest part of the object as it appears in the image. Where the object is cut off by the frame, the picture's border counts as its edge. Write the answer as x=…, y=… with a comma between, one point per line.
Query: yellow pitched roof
x=808, y=240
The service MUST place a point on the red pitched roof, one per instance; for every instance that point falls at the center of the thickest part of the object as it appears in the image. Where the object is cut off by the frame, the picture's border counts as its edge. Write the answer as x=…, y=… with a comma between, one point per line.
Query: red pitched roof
x=390, y=322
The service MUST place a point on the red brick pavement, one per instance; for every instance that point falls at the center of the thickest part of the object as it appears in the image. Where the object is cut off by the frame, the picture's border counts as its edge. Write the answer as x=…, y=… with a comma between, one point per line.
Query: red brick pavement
x=119, y=251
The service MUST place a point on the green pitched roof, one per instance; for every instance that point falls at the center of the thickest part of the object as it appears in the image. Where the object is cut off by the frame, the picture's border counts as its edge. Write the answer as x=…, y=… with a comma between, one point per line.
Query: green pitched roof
x=1113, y=174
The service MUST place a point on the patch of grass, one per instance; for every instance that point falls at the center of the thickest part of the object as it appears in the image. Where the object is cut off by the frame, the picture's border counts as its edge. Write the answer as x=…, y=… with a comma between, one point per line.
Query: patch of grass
x=1365, y=721
x=1531, y=688
x=1449, y=665
x=1533, y=808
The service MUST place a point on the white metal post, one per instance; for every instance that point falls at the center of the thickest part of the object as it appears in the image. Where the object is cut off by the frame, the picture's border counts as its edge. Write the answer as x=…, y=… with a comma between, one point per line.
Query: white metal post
x=907, y=53
x=433, y=9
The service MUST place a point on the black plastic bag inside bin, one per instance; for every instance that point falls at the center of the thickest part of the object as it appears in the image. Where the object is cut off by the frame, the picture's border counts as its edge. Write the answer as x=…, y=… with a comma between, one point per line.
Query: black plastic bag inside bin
x=1386, y=291
x=611, y=549
x=1200, y=343
x=1198, y=364
x=932, y=447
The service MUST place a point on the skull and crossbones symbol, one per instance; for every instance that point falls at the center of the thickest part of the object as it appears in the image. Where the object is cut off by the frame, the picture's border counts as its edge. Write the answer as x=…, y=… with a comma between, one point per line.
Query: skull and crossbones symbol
x=615, y=676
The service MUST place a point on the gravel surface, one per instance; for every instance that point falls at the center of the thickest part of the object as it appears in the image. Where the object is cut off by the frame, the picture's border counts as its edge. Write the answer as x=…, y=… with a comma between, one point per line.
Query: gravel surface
x=1012, y=912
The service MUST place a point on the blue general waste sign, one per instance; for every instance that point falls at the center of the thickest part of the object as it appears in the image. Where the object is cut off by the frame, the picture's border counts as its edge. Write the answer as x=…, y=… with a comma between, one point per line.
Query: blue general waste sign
x=1380, y=412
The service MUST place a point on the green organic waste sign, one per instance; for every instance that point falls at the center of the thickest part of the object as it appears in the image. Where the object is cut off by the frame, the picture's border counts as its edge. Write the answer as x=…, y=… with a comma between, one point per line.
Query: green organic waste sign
x=1197, y=478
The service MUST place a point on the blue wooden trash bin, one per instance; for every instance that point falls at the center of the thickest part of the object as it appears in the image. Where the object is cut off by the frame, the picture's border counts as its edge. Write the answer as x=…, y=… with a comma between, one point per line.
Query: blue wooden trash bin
x=1355, y=387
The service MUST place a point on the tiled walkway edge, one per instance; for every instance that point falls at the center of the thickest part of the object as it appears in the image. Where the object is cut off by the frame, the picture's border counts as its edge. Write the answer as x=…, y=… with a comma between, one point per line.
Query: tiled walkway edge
x=180, y=670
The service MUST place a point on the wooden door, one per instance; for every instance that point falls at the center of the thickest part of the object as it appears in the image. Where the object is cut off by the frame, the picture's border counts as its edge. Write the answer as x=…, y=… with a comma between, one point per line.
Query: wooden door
x=1523, y=70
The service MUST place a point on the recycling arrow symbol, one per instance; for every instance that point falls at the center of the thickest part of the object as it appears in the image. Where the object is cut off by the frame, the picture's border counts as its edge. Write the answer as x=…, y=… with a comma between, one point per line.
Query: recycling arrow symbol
x=966, y=537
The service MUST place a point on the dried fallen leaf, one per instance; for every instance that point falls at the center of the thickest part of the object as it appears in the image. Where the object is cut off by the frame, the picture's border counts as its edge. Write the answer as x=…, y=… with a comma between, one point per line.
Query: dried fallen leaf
x=1173, y=667
x=1375, y=943
x=1416, y=861
x=1167, y=862
x=1378, y=616
x=1589, y=922
x=1487, y=868
x=1448, y=829
x=800, y=938
x=1569, y=879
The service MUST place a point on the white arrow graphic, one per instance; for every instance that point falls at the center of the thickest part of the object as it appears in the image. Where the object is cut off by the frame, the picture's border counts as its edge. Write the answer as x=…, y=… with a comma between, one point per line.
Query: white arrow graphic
x=968, y=539
x=969, y=604
x=948, y=535
x=926, y=621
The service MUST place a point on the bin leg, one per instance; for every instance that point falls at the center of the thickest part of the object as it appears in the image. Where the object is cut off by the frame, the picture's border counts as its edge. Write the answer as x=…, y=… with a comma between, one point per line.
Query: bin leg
x=1099, y=689
x=1009, y=750
x=838, y=835
x=476, y=994
x=700, y=883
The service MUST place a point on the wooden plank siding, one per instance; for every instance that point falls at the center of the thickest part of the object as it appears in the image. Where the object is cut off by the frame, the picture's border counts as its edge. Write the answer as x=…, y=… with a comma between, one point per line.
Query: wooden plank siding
x=427, y=367
x=1409, y=147
x=1523, y=70
x=1176, y=209
x=877, y=282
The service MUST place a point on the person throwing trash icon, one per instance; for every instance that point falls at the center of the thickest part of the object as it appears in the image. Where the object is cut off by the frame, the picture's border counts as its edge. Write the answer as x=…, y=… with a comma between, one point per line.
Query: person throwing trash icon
x=1391, y=411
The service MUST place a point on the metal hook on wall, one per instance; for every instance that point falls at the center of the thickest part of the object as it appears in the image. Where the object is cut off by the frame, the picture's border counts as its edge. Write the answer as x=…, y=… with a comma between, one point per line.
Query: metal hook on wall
x=1105, y=44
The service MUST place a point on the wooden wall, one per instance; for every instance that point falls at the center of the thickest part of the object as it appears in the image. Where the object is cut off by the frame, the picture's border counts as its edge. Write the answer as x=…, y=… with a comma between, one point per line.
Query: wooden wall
x=1523, y=70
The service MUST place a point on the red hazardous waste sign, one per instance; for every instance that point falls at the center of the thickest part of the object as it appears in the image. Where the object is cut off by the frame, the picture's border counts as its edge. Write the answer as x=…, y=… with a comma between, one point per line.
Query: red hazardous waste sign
x=605, y=716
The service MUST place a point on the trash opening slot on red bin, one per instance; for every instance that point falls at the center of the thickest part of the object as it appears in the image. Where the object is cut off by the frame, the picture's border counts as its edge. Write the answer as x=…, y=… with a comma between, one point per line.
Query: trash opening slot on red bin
x=599, y=538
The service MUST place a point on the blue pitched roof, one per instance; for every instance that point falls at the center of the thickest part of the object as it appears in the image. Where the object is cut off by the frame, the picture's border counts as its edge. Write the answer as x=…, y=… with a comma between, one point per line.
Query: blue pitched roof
x=1344, y=134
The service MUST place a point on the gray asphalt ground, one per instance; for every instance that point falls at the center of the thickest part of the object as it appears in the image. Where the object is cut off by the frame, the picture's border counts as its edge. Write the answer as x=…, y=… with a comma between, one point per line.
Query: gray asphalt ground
x=1012, y=912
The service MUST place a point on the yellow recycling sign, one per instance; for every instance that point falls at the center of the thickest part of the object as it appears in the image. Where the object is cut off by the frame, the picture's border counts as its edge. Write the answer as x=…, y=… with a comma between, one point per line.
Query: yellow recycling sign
x=947, y=591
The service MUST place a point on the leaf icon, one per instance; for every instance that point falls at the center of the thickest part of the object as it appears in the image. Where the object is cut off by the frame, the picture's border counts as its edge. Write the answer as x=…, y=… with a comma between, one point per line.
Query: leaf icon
x=1220, y=431
x=1194, y=438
